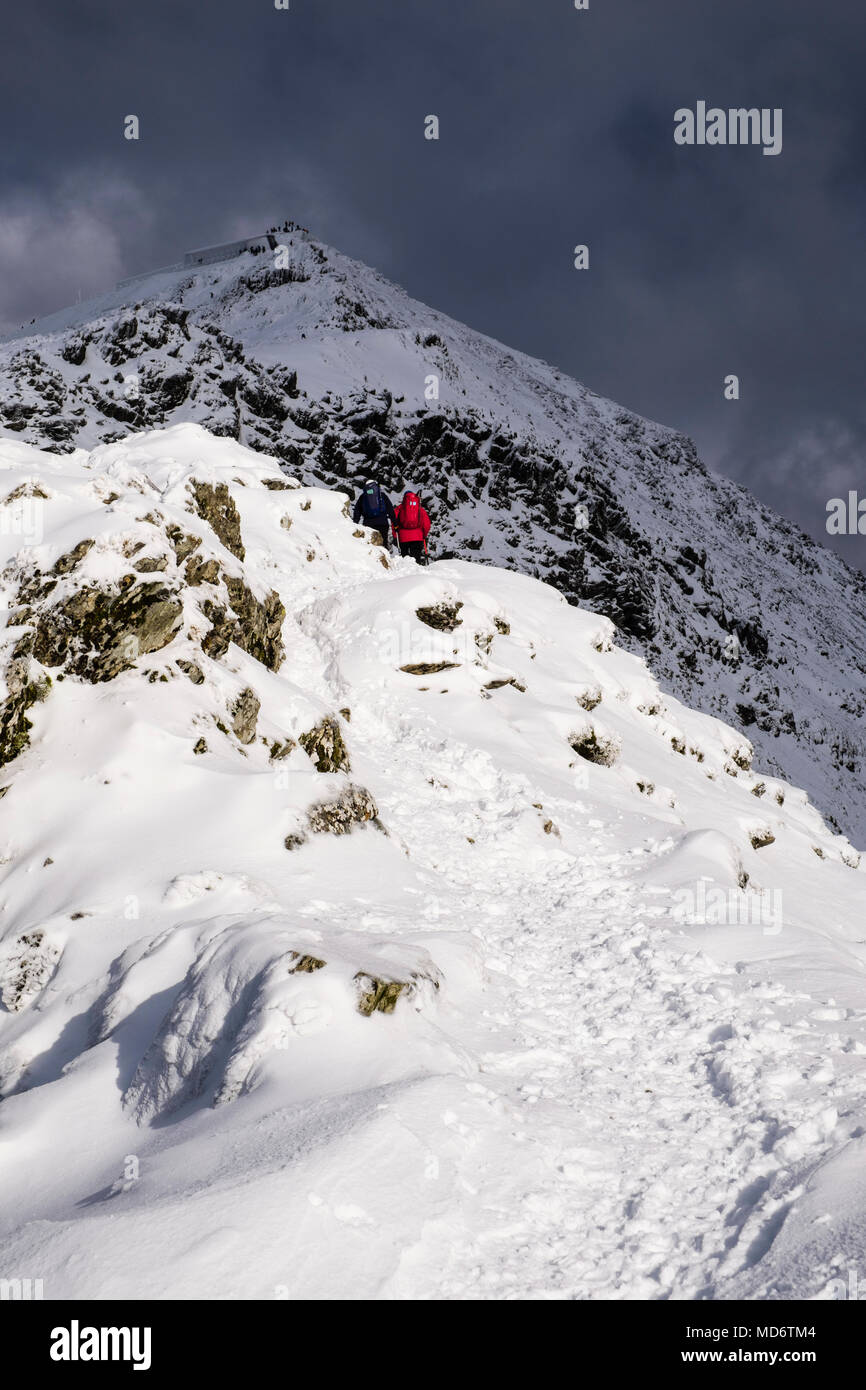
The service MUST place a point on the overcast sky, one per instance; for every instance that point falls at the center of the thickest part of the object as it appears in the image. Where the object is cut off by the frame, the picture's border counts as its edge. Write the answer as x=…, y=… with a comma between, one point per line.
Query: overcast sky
x=556, y=128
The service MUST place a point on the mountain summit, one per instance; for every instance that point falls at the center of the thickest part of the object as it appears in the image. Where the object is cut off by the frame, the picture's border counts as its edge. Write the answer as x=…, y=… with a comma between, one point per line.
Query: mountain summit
x=299, y=352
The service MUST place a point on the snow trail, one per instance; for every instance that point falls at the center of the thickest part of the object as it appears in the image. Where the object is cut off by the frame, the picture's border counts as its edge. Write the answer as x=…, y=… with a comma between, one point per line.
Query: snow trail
x=623, y=1138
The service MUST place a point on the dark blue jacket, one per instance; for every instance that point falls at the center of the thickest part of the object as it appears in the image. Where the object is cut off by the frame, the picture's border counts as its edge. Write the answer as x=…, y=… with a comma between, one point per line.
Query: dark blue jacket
x=376, y=508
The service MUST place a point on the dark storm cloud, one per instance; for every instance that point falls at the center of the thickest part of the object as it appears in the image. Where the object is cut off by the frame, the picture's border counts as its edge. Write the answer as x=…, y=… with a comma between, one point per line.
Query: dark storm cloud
x=556, y=128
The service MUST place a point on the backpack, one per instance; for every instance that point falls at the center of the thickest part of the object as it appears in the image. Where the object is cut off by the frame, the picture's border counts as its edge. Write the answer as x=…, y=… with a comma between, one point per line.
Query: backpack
x=410, y=512
x=372, y=501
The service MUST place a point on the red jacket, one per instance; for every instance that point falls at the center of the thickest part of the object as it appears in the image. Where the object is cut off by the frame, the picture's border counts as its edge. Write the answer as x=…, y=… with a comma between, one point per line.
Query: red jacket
x=412, y=533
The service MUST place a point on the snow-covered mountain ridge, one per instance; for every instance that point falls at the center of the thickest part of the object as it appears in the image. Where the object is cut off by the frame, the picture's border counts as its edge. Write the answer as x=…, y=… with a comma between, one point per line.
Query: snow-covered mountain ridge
x=324, y=364
x=379, y=931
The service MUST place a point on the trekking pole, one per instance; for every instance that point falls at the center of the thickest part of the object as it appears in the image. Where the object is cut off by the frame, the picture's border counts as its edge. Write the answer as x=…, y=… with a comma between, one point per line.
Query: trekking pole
x=426, y=551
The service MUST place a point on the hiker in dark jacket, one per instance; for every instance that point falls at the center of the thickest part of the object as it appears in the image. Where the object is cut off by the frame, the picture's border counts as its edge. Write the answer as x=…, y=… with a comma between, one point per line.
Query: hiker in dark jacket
x=413, y=527
x=375, y=509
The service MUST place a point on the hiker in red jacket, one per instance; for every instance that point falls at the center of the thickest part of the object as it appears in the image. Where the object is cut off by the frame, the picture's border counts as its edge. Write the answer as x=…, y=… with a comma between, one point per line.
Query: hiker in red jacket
x=413, y=526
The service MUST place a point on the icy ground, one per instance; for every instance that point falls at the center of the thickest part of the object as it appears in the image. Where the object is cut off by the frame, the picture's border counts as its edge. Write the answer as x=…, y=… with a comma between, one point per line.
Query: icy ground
x=586, y=1091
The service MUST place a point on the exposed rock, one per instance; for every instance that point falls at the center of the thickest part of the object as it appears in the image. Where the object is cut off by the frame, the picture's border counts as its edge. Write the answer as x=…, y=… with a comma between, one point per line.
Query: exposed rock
x=378, y=996
x=507, y=680
x=200, y=746
x=74, y=349
x=761, y=838
x=306, y=965
x=428, y=668
x=215, y=505
x=444, y=617
x=354, y=806
x=255, y=625
x=245, y=713
x=325, y=746
x=184, y=544
x=194, y=671
x=260, y=623
x=67, y=562
x=96, y=634
x=595, y=748
x=173, y=389
x=589, y=698
x=26, y=490
x=24, y=690
x=216, y=642
x=200, y=571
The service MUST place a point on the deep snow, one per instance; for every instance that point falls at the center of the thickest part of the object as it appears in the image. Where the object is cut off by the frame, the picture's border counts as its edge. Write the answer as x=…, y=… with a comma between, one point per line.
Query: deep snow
x=586, y=1091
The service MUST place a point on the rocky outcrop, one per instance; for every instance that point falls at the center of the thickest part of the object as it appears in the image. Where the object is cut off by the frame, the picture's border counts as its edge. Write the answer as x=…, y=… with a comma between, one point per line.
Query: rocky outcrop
x=378, y=996
x=255, y=625
x=325, y=746
x=74, y=626
x=428, y=668
x=245, y=713
x=444, y=617
x=215, y=505
x=95, y=633
x=24, y=690
x=338, y=816
x=595, y=747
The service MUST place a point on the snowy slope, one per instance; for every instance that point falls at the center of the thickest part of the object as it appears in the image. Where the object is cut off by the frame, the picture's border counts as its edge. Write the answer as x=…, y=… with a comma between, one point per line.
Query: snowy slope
x=501, y=976
x=332, y=369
